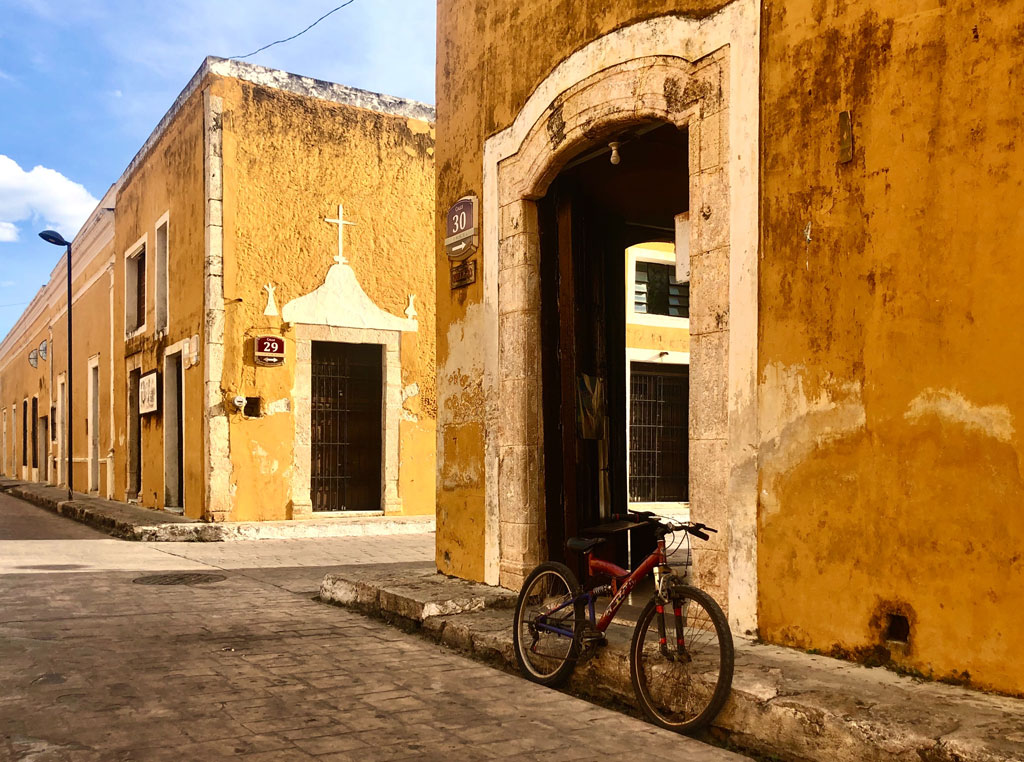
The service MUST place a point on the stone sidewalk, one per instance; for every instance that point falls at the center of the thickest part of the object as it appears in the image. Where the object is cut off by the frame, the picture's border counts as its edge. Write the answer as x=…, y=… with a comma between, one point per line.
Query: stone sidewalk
x=101, y=665
x=785, y=704
x=130, y=522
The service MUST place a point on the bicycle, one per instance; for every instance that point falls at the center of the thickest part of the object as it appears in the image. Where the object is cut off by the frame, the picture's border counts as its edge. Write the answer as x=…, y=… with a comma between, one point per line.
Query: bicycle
x=681, y=670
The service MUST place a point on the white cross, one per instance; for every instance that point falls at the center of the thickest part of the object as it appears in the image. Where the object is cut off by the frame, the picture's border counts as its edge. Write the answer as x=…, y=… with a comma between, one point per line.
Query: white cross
x=340, y=222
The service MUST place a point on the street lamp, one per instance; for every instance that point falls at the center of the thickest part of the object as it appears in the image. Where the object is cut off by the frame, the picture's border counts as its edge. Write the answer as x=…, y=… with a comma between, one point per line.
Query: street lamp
x=52, y=236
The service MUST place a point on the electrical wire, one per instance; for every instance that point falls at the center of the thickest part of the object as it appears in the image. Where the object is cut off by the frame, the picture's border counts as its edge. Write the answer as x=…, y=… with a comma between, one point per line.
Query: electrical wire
x=297, y=34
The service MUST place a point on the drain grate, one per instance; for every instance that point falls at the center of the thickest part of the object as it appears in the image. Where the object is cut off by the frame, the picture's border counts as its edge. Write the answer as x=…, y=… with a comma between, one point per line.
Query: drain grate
x=186, y=578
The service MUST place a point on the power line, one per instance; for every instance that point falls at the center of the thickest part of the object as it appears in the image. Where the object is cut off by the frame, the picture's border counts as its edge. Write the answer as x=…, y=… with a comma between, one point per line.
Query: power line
x=297, y=34
x=15, y=304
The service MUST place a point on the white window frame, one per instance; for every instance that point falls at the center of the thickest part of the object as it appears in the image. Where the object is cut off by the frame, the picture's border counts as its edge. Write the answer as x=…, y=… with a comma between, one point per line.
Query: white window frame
x=636, y=254
x=132, y=252
x=133, y=363
x=24, y=457
x=91, y=424
x=62, y=431
x=181, y=348
x=161, y=260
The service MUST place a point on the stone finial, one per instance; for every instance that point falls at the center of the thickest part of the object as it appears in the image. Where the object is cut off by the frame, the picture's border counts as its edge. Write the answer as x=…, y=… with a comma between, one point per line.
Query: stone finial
x=410, y=311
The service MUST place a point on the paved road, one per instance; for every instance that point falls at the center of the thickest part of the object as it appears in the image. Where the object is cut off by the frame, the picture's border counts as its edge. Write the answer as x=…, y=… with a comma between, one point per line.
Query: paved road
x=98, y=668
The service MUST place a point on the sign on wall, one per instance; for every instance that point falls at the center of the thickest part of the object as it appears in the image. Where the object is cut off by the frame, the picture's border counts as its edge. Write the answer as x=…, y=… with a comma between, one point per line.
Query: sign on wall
x=460, y=237
x=269, y=350
x=463, y=274
x=148, y=398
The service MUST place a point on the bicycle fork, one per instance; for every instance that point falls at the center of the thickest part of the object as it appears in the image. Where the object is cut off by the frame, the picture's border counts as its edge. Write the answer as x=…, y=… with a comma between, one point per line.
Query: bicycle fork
x=677, y=611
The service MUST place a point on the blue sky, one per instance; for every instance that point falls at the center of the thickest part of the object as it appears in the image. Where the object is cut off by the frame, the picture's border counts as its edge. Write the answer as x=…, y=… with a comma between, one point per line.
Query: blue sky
x=84, y=82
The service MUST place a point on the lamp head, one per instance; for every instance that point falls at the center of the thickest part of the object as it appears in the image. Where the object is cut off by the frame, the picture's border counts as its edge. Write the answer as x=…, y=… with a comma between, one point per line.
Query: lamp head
x=52, y=236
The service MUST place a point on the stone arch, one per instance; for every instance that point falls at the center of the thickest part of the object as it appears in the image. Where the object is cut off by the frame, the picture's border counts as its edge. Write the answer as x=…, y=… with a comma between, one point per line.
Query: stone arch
x=586, y=98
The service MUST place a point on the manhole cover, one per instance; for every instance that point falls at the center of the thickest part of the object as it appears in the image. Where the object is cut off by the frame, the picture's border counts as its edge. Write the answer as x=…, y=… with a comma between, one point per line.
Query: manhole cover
x=186, y=578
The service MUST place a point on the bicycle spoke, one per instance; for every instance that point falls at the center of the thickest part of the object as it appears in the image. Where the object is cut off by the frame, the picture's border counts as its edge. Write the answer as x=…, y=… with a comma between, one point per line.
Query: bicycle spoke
x=546, y=625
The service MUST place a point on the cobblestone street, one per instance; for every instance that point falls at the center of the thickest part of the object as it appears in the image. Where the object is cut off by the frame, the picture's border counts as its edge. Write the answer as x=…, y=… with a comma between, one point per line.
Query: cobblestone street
x=98, y=668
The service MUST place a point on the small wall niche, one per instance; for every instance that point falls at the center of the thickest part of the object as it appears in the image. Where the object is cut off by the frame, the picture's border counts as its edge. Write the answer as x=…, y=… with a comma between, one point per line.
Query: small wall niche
x=253, y=408
x=897, y=628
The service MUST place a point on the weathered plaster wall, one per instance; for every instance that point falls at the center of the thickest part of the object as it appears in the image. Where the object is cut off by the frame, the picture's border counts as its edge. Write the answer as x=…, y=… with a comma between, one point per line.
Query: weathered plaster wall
x=490, y=58
x=166, y=178
x=890, y=360
x=289, y=161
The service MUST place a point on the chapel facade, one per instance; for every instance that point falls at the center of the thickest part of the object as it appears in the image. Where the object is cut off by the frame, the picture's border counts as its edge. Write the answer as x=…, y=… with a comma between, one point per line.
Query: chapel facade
x=254, y=322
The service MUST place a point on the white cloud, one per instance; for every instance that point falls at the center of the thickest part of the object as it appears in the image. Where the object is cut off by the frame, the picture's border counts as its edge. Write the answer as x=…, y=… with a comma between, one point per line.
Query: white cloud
x=7, y=283
x=40, y=194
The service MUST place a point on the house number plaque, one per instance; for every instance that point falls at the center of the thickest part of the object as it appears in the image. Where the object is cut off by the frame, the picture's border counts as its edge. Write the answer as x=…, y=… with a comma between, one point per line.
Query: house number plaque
x=269, y=350
x=460, y=237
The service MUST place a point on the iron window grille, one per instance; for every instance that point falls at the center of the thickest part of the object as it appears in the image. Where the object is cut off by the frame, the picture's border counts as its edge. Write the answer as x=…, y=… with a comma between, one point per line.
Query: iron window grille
x=659, y=469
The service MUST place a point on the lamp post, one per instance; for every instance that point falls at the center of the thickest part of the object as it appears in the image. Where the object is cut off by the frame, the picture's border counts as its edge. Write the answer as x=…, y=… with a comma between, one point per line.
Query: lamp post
x=52, y=236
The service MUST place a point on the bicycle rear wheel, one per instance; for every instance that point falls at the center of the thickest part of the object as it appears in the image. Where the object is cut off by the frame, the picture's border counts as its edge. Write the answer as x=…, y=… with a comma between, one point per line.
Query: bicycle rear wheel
x=681, y=660
x=549, y=622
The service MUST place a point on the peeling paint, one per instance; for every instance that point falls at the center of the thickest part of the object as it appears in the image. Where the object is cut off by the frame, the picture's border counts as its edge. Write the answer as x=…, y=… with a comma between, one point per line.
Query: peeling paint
x=952, y=407
x=796, y=421
x=283, y=405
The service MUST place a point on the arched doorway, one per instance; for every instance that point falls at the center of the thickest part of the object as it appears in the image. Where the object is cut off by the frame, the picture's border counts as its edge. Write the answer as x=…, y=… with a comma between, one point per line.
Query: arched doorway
x=700, y=78
x=631, y=189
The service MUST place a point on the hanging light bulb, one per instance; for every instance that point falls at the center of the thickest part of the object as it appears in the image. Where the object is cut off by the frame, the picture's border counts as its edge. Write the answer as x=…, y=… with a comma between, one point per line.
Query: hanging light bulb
x=615, y=152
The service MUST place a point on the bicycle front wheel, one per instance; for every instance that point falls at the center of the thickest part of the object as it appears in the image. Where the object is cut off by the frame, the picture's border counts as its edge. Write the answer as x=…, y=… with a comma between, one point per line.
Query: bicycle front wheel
x=681, y=660
x=549, y=622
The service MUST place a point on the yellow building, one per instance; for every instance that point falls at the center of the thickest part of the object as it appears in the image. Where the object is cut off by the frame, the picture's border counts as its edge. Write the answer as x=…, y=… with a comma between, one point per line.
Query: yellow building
x=256, y=310
x=851, y=192
x=657, y=381
x=33, y=368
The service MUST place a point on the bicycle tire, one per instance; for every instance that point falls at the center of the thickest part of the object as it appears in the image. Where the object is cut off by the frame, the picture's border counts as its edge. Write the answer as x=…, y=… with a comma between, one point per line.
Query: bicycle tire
x=706, y=667
x=554, y=666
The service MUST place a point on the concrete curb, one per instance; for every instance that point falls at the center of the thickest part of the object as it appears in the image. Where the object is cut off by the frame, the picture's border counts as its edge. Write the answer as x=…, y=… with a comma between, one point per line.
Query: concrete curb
x=785, y=704
x=130, y=522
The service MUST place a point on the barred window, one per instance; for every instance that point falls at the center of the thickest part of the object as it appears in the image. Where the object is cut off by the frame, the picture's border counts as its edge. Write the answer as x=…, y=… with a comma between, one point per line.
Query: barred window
x=659, y=469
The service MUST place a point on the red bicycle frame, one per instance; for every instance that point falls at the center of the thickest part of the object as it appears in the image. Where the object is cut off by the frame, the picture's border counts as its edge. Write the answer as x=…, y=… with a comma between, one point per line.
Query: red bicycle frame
x=622, y=581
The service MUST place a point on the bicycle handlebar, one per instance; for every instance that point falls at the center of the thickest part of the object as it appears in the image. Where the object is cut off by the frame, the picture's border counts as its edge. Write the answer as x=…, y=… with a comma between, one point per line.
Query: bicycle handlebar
x=695, y=528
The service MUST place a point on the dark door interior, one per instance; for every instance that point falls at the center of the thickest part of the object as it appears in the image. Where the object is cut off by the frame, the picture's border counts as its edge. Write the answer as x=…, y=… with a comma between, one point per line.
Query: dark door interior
x=591, y=213
x=347, y=421
x=583, y=321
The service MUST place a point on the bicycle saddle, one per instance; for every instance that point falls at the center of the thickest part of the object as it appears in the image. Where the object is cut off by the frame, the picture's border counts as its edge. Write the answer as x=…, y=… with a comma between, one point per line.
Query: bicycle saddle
x=583, y=544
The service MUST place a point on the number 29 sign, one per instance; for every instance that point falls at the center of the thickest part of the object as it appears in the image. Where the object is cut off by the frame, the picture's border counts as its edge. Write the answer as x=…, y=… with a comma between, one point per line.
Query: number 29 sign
x=269, y=350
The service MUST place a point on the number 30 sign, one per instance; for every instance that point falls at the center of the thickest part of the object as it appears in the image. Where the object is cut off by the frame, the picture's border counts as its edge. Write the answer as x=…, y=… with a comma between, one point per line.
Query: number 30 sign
x=460, y=239
x=269, y=350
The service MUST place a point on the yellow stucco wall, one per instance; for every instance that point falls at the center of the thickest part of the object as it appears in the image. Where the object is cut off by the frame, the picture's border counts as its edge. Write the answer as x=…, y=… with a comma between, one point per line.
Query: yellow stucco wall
x=289, y=161
x=168, y=179
x=889, y=363
x=888, y=401
x=45, y=320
